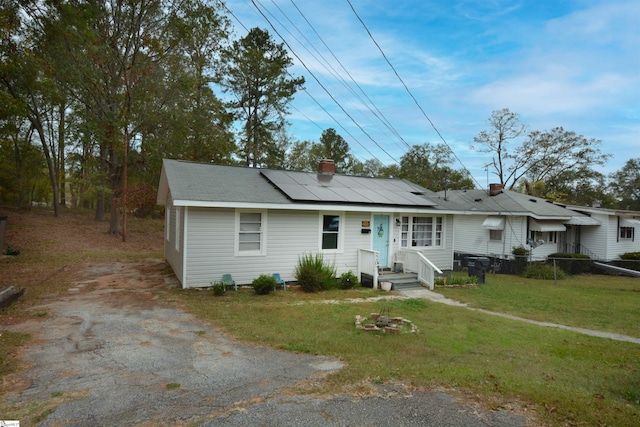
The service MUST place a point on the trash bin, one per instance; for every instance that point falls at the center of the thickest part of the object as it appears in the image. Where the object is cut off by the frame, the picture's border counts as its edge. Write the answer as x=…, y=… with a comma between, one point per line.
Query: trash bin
x=3, y=225
x=478, y=266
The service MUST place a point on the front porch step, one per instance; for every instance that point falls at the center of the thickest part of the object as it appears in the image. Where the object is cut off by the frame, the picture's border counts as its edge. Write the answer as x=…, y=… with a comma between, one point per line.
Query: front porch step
x=401, y=281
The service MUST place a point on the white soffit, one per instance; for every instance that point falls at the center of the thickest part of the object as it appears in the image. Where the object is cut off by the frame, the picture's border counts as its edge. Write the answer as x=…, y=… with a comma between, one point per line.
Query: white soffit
x=494, y=223
x=546, y=225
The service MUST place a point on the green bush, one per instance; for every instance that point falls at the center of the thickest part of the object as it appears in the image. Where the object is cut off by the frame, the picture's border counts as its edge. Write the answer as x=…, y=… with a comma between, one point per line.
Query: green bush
x=543, y=272
x=631, y=260
x=520, y=256
x=309, y=279
x=218, y=289
x=349, y=280
x=572, y=263
x=314, y=273
x=264, y=284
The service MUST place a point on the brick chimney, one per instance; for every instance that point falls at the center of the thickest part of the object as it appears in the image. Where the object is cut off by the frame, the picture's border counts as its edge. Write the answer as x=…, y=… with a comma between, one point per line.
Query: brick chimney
x=327, y=167
x=495, y=189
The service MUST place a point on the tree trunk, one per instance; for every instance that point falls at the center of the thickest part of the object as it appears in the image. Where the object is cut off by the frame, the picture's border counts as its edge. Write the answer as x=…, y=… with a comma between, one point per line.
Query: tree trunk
x=114, y=178
x=61, y=166
x=52, y=172
x=100, y=197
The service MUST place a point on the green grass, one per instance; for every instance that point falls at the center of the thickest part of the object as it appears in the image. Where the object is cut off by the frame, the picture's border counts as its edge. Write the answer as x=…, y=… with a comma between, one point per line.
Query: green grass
x=603, y=303
x=566, y=377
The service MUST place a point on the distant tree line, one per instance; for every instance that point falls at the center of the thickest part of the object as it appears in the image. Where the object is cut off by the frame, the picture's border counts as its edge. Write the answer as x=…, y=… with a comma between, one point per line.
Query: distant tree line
x=95, y=93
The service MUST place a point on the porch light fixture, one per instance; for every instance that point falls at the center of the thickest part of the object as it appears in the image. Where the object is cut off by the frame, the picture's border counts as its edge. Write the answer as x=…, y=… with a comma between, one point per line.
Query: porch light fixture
x=398, y=222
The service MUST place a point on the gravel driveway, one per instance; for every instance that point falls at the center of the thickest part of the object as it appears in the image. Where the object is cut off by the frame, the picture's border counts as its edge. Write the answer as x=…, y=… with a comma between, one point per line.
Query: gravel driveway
x=116, y=355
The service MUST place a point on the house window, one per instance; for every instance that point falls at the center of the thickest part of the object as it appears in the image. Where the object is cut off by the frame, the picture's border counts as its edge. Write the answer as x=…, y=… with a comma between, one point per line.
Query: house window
x=404, y=237
x=495, y=235
x=250, y=226
x=421, y=231
x=626, y=232
x=553, y=237
x=330, y=231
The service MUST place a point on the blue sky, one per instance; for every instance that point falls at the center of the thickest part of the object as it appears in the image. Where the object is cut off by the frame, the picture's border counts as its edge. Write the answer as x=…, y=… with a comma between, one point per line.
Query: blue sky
x=574, y=64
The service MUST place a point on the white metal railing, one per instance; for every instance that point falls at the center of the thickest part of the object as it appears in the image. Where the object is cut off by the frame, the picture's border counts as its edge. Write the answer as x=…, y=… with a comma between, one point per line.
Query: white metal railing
x=415, y=261
x=368, y=264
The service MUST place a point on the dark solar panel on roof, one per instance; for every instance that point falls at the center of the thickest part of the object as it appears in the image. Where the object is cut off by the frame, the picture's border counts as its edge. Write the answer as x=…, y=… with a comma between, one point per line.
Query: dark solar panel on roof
x=303, y=186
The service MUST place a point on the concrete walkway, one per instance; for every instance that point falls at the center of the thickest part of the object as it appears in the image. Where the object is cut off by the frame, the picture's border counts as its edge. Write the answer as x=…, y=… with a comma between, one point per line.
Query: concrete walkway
x=436, y=297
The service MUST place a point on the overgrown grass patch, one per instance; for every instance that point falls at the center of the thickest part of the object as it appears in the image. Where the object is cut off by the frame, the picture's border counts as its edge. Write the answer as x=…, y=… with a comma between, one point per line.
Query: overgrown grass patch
x=604, y=303
x=568, y=378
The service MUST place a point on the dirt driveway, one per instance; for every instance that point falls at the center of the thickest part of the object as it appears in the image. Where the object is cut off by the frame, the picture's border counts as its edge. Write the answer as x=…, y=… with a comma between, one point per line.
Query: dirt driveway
x=109, y=352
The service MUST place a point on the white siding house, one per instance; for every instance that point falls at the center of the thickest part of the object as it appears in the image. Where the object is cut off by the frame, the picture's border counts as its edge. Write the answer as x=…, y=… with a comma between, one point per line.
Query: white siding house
x=246, y=221
x=493, y=222
x=618, y=233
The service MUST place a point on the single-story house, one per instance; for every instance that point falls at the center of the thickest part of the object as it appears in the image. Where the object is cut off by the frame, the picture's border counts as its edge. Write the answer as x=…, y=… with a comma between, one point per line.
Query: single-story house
x=493, y=222
x=249, y=221
x=618, y=232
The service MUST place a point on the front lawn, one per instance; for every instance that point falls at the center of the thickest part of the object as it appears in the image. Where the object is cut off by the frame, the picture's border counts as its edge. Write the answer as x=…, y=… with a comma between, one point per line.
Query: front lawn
x=603, y=303
x=564, y=377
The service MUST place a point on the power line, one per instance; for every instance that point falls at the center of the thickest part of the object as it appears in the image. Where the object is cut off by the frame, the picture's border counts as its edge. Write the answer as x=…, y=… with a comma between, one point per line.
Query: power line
x=324, y=88
x=324, y=62
x=377, y=111
x=410, y=93
x=309, y=94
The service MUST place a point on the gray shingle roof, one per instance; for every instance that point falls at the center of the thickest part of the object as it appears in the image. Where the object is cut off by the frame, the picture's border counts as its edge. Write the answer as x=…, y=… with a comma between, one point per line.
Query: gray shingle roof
x=506, y=202
x=201, y=182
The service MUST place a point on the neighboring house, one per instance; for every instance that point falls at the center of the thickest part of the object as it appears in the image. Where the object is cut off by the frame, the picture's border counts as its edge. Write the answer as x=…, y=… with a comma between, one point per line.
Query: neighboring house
x=248, y=221
x=493, y=223
x=617, y=233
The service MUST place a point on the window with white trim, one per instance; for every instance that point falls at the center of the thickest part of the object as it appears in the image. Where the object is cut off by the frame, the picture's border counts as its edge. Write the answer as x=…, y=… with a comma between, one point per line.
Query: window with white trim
x=250, y=232
x=404, y=236
x=626, y=233
x=331, y=229
x=421, y=231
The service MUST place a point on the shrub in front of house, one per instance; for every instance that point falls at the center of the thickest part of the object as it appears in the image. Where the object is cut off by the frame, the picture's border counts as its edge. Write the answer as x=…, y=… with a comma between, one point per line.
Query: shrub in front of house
x=264, y=284
x=313, y=273
x=631, y=260
x=542, y=271
x=309, y=279
x=349, y=280
x=218, y=289
x=572, y=263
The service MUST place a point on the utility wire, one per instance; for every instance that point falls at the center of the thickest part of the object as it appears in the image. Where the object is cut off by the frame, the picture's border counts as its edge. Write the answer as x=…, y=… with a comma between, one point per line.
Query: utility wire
x=338, y=123
x=377, y=111
x=327, y=67
x=410, y=93
x=324, y=88
x=310, y=96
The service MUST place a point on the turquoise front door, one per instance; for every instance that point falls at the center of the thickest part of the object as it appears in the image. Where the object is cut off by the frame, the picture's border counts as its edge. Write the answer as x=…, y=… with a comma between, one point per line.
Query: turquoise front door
x=381, y=238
